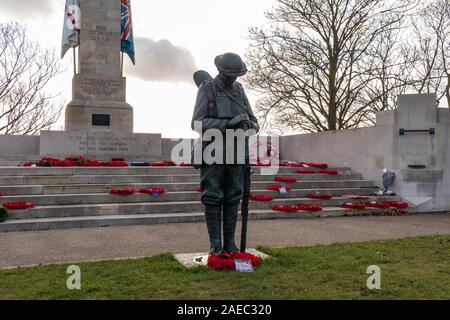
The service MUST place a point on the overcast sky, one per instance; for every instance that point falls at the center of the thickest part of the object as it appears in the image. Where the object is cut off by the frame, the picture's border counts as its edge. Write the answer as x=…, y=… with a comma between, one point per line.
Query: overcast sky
x=179, y=35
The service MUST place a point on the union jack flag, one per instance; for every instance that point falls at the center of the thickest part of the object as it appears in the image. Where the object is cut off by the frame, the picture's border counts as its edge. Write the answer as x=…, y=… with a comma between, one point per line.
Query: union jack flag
x=127, y=38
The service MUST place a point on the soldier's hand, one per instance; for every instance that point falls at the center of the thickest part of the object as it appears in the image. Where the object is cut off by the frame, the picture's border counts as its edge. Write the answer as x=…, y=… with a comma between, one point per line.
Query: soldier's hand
x=236, y=121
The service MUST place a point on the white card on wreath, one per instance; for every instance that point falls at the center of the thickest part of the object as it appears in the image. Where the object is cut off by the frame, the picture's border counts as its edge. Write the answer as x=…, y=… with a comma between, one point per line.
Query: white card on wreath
x=243, y=265
x=283, y=190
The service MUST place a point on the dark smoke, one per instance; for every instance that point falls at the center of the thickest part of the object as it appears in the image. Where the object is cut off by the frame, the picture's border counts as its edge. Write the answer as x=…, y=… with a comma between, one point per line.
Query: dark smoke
x=161, y=61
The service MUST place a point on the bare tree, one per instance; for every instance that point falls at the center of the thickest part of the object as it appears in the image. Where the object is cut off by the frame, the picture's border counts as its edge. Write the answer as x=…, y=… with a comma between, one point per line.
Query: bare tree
x=25, y=71
x=317, y=63
x=432, y=39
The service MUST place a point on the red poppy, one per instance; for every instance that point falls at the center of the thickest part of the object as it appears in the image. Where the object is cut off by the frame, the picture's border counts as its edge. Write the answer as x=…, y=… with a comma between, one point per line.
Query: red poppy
x=320, y=197
x=399, y=204
x=153, y=191
x=184, y=164
x=378, y=205
x=123, y=192
x=356, y=206
x=309, y=207
x=226, y=261
x=115, y=164
x=93, y=163
x=260, y=198
x=286, y=180
x=285, y=208
x=199, y=189
x=18, y=205
x=331, y=172
x=165, y=163
x=305, y=172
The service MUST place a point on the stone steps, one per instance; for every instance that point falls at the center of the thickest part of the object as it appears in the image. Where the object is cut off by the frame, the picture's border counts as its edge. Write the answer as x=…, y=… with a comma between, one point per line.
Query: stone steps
x=79, y=197
x=152, y=219
x=105, y=198
x=170, y=187
x=134, y=179
x=40, y=171
x=155, y=207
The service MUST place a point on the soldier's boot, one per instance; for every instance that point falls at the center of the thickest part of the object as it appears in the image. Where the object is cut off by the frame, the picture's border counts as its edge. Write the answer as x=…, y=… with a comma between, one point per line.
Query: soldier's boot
x=230, y=215
x=213, y=222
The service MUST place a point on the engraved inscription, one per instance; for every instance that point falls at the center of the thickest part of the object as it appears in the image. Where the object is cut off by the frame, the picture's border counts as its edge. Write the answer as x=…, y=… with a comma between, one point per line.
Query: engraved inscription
x=106, y=144
x=100, y=34
x=100, y=87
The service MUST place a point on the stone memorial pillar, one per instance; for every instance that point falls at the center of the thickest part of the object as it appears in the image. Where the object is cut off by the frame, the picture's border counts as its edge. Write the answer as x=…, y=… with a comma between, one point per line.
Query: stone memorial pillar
x=99, y=122
x=99, y=90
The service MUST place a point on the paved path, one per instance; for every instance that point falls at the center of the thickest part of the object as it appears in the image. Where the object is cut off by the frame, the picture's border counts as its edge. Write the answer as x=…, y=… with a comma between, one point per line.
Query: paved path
x=23, y=249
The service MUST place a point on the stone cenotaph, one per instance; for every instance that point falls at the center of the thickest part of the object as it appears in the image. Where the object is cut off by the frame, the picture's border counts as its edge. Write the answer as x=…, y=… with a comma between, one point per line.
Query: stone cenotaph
x=99, y=121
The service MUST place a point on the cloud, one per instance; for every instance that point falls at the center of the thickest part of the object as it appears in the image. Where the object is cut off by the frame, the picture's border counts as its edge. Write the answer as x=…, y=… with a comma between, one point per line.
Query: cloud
x=26, y=8
x=161, y=61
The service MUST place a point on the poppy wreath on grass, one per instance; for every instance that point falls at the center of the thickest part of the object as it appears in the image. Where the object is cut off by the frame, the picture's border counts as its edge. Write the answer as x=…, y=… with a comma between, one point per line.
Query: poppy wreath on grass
x=309, y=207
x=320, y=196
x=18, y=205
x=286, y=208
x=226, y=261
x=260, y=198
x=123, y=192
x=285, y=180
x=354, y=206
x=330, y=172
x=153, y=191
x=305, y=172
x=277, y=188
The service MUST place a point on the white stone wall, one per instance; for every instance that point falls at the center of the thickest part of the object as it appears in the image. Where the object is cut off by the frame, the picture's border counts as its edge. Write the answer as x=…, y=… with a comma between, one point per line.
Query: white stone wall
x=369, y=150
x=365, y=150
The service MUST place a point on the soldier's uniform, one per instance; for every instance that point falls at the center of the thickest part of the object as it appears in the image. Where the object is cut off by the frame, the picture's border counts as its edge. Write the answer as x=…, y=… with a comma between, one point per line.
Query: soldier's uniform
x=222, y=183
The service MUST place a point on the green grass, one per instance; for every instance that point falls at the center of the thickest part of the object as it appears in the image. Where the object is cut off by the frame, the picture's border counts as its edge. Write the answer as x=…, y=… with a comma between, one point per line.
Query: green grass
x=414, y=268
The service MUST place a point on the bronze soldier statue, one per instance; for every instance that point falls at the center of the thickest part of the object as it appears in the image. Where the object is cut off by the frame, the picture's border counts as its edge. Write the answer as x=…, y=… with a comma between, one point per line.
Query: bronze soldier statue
x=222, y=104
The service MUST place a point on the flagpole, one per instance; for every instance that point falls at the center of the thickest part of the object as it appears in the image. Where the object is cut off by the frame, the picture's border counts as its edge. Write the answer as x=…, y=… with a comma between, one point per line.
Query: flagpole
x=121, y=64
x=74, y=61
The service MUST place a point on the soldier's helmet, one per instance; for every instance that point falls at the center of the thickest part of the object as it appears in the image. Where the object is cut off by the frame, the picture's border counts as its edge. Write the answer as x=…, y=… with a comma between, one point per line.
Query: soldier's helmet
x=230, y=64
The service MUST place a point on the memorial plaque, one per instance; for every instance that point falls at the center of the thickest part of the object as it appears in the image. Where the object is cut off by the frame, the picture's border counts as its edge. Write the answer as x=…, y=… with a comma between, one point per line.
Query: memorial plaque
x=101, y=120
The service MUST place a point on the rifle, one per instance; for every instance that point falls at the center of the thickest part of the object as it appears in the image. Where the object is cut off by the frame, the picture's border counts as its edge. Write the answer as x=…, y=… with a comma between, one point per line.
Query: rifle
x=246, y=194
